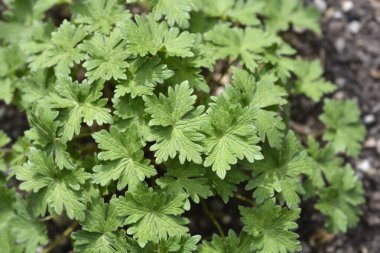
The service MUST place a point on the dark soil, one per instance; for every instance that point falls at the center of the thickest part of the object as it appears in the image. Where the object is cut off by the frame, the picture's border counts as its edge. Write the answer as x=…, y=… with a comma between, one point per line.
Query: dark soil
x=350, y=50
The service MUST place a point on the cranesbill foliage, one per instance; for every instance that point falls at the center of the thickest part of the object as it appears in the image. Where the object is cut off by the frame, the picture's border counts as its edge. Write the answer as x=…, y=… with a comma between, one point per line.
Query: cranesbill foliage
x=141, y=110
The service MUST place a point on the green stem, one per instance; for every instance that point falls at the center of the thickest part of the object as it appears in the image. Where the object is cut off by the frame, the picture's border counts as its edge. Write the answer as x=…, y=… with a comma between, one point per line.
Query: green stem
x=60, y=238
x=213, y=219
x=47, y=218
x=241, y=197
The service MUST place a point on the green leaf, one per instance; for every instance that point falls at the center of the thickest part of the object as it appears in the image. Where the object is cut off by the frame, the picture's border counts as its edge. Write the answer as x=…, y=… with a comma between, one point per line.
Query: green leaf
x=344, y=131
x=340, y=201
x=36, y=86
x=147, y=36
x=43, y=134
x=8, y=242
x=53, y=188
x=143, y=76
x=325, y=162
x=271, y=228
x=100, y=231
x=241, y=11
x=63, y=52
x=227, y=186
x=29, y=231
x=230, y=136
x=152, y=216
x=108, y=242
x=99, y=15
x=263, y=95
x=280, y=14
x=106, y=57
x=174, y=244
x=186, y=69
x=12, y=59
x=125, y=151
x=280, y=172
x=4, y=139
x=232, y=243
x=180, y=244
x=78, y=102
x=175, y=125
x=310, y=80
x=176, y=12
x=187, y=179
x=132, y=113
x=236, y=44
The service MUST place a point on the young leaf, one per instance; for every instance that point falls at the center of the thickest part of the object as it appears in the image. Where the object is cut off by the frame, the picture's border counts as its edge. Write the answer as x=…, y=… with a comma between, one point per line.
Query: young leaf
x=341, y=199
x=325, y=162
x=187, y=179
x=176, y=12
x=78, y=103
x=344, y=129
x=174, y=244
x=175, y=125
x=280, y=172
x=143, y=76
x=63, y=52
x=151, y=216
x=148, y=36
x=241, y=11
x=125, y=151
x=310, y=80
x=263, y=95
x=130, y=111
x=100, y=231
x=43, y=134
x=230, y=136
x=106, y=57
x=280, y=14
x=4, y=139
x=56, y=189
x=99, y=15
x=186, y=69
x=271, y=228
x=236, y=44
x=227, y=186
x=28, y=230
x=232, y=243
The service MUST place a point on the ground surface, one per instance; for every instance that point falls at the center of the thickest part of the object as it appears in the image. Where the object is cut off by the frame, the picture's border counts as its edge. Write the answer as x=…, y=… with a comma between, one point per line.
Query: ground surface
x=350, y=50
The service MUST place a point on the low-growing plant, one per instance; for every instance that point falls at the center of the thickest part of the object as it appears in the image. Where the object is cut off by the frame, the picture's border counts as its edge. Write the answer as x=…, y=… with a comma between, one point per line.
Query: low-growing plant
x=140, y=111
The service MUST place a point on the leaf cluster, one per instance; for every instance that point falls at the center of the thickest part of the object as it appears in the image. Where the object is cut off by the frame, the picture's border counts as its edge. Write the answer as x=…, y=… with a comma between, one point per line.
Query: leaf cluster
x=140, y=111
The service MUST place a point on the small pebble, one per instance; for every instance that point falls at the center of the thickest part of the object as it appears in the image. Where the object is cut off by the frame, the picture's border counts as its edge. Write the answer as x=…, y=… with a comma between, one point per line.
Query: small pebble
x=364, y=165
x=373, y=220
x=340, y=44
x=339, y=95
x=227, y=219
x=378, y=147
x=320, y=4
x=347, y=6
x=354, y=27
x=219, y=91
x=369, y=119
x=370, y=143
x=340, y=81
x=338, y=15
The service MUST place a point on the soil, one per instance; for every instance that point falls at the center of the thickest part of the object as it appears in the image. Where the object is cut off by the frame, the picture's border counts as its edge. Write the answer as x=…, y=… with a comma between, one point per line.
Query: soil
x=349, y=48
